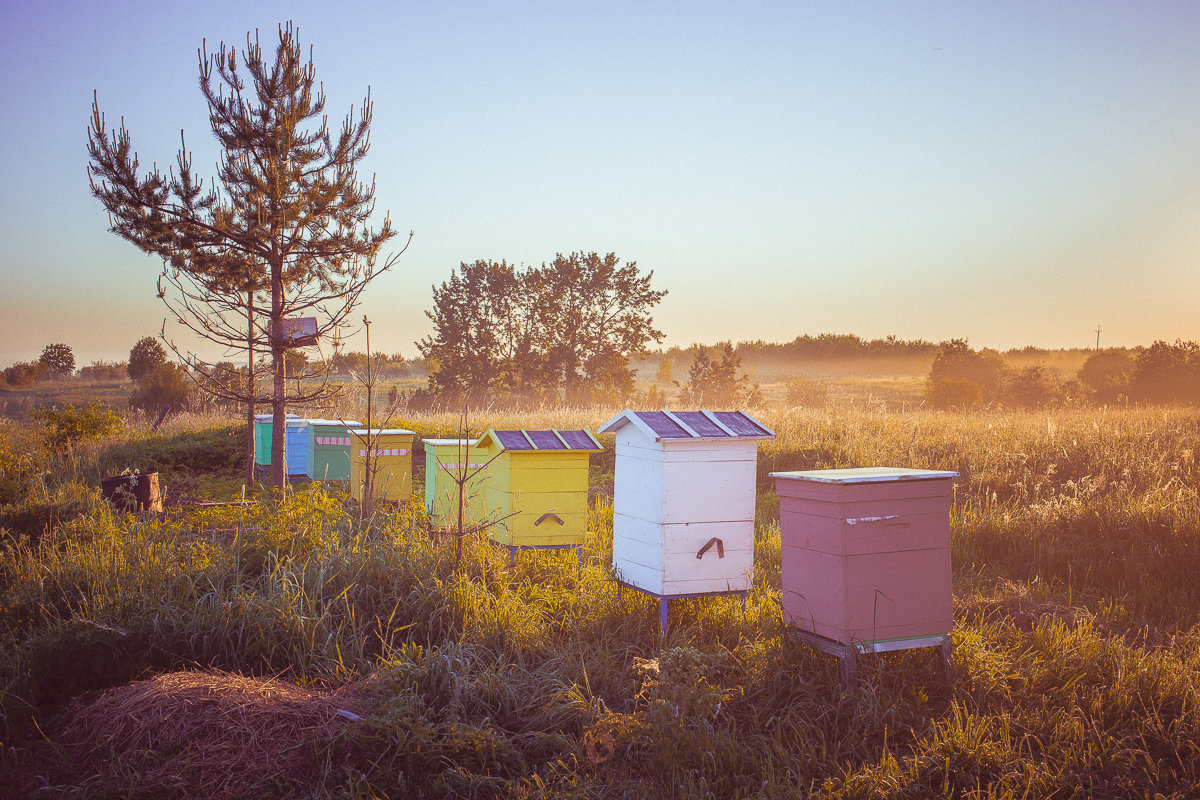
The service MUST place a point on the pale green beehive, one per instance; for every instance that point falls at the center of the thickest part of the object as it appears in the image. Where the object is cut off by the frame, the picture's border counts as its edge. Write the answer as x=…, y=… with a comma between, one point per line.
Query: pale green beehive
x=446, y=461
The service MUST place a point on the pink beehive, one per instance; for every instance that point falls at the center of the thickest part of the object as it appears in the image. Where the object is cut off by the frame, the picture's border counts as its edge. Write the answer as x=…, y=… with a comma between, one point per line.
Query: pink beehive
x=866, y=552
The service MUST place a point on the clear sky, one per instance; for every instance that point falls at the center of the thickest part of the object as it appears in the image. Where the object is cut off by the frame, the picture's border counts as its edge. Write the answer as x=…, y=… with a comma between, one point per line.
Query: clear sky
x=1011, y=173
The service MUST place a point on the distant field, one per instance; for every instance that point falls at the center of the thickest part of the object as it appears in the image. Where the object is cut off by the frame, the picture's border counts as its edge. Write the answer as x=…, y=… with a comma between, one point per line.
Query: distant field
x=16, y=402
x=895, y=384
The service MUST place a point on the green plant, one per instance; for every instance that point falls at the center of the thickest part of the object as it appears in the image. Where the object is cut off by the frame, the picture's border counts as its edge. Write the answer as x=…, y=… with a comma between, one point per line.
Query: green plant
x=67, y=426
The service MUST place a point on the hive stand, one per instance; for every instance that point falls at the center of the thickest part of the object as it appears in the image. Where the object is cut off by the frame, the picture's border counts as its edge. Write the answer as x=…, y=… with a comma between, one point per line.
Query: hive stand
x=514, y=549
x=847, y=653
x=663, y=599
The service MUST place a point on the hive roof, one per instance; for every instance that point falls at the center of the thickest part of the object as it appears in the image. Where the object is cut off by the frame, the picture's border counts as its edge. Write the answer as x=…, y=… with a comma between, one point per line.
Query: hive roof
x=541, y=440
x=683, y=425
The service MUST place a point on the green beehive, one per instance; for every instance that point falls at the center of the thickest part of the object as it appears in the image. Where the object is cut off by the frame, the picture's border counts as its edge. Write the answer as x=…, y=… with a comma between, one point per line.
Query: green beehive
x=329, y=449
x=446, y=460
x=537, y=486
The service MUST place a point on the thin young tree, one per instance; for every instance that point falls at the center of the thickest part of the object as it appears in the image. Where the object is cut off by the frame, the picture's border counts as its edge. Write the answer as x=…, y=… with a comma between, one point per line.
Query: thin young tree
x=281, y=232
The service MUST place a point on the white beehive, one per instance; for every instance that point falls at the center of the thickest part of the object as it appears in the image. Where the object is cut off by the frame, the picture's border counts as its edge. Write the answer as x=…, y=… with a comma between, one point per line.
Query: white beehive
x=683, y=500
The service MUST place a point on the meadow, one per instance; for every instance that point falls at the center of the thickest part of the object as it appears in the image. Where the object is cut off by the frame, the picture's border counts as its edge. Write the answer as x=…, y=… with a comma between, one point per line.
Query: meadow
x=293, y=649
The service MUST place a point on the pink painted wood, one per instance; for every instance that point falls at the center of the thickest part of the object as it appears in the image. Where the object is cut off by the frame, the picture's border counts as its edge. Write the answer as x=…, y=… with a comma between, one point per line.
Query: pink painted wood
x=866, y=560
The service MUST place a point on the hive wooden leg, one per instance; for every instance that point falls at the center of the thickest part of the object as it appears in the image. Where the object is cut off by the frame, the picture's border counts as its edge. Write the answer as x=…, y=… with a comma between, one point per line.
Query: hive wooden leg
x=662, y=613
x=848, y=669
x=947, y=650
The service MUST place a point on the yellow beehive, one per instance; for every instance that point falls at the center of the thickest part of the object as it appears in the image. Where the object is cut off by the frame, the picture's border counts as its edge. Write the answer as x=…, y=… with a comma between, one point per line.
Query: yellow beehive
x=390, y=451
x=447, y=461
x=537, y=486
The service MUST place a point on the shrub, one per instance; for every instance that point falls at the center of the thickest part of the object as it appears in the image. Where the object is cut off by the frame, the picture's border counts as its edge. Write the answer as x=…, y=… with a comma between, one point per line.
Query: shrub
x=67, y=426
x=17, y=469
x=1033, y=387
x=1166, y=373
x=956, y=361
x=953, y=393
x=804, y=390
x=104, y=371
x=24, y=373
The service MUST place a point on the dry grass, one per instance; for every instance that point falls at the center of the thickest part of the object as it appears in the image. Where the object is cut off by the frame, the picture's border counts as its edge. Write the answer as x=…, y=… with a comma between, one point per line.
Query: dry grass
x=206, y=734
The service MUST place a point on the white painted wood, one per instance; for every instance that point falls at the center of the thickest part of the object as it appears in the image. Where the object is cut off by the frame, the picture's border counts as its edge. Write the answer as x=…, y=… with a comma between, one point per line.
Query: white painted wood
x=671, y=496
x=690, y=584
x=638, y=486
x=687, y=449
x=638, y=575
x=670, y=550
x=704, y=491
x=652, y=581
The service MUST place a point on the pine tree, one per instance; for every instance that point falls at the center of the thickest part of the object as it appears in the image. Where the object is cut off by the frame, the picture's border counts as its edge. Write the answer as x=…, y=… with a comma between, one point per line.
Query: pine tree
x=282, y=232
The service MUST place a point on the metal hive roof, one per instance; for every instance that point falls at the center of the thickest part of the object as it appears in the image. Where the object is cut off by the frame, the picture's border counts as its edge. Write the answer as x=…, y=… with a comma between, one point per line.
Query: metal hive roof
x=542, y=440
x=684, y=425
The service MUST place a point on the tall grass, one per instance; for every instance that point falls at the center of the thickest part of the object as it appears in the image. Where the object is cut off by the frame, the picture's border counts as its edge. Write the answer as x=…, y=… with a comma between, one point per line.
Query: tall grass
x=1075, y=545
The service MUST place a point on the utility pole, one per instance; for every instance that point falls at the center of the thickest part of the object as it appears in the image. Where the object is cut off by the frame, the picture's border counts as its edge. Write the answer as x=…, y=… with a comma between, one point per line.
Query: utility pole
x=1097, y=337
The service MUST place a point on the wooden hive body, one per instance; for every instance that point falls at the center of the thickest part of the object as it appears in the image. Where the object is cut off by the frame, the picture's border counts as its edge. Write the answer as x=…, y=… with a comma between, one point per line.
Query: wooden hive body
x=329, y=449
x=392, y=462
x=445, y=460
x=295, y=443
x=674, y=495
x=866, y=553
x=536, y=493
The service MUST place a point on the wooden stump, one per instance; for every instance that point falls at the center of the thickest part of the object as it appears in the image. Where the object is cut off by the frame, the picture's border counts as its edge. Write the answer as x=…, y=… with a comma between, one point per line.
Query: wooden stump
x=136, y=492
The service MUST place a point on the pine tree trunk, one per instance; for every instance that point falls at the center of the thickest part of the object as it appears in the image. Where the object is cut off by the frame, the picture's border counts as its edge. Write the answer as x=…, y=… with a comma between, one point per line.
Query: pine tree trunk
x=250, y=389
x=279, y=395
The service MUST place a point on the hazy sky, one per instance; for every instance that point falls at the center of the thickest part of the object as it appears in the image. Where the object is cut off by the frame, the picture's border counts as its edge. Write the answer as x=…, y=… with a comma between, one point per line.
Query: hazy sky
x=1012, y=173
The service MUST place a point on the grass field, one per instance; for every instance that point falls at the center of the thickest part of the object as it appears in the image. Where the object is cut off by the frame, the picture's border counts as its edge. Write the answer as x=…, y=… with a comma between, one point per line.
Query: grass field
x=299, y=651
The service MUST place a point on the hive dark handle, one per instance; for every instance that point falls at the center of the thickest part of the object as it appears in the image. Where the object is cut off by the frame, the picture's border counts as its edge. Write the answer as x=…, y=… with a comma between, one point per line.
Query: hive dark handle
x=549, y=515
x=711, y=542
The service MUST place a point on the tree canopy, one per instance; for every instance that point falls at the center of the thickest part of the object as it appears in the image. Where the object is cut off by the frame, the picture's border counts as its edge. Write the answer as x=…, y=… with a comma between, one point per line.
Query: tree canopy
x=145, y=356
x=58, y=360
x=282, y=231
x=562, y=331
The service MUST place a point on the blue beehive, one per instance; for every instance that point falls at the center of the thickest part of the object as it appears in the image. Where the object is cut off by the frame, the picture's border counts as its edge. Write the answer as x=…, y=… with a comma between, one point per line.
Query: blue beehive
x=295, y=444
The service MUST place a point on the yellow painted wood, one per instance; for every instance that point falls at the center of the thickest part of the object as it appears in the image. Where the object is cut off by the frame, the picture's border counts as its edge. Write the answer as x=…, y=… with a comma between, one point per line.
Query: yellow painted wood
x=393, y=473
x=524, y=485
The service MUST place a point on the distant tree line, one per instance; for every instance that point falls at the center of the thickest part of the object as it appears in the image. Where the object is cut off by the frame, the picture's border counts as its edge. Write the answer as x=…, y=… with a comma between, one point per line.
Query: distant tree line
x=962, y=377
x=834, y=347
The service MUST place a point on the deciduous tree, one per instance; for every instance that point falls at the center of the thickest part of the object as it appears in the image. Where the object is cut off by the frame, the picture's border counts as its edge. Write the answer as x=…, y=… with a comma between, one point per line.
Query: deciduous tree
x=484, y=334
x=58, y=360
x=282, y=231
x=593, y=312
x=569, y=326
x=145, y=356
